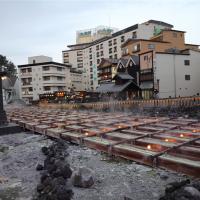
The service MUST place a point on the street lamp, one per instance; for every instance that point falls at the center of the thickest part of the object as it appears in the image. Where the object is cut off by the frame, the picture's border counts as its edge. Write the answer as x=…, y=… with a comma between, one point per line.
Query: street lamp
x=3, y=118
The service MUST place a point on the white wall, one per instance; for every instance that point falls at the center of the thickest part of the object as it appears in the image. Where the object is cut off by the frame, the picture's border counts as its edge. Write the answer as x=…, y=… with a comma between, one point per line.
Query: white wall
x=171, y=71
x=39, y=59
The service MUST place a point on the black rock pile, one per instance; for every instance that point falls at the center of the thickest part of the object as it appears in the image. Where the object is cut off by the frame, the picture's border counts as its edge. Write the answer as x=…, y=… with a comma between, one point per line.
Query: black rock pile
x=184, y=190
x=54, y=174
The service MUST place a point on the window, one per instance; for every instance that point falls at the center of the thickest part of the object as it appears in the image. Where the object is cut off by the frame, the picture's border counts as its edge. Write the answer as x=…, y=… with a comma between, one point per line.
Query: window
x=122, y=38
x=47, y=88
x=90, y=63
x=136, y=48
x=97, y=54
x=115, y=41
x=91, y=69
x=187, y=77
x=110, y=57
x=151, y=46
x=101, y=53
x=187, y=62
x=33, y=61
x=90, y=56
x=98, y=61
x=79, y=53
x=145, y=57
x=91, y=82
x=101, y=46
x=115, y=49
x=115, y=56
x=46, y=78
x=97, y=47
x=59, y=68
x=110, y=50
x=110, y=43
x=134, y=35
x=91, y=76
x=90, y=50
x=45, y=68
x=59, y=78
x=80, y=65
x=29, y=70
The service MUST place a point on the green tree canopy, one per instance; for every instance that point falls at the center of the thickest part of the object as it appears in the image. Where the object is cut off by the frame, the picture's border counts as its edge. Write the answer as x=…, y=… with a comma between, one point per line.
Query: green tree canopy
x=9, y=66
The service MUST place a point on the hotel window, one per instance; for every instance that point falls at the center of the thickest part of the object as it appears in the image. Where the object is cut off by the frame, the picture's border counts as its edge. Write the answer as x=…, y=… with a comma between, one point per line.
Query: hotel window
x=145, y=57
x=29, y=70
x=97, y=47
x=101, y=46
x=110, y=43
x=110, y=57
x=115, y=56
x=115, y=49
x=151, y=46
x=115, y=41
x=47, y=88
x=97, y=54
x=98, y=61
x=80, y=65
x=110, y=50
x=90, y=63
x=46, y=78
x=187, y=62
x=45, y=68
x=90, y=56
x=187, y=77
x=136, y=48
x=59, y=78
x=91, y=69
x=101, y=53
x=134, y=35
x=90, y=50
x=122, y=38
x=59, y=69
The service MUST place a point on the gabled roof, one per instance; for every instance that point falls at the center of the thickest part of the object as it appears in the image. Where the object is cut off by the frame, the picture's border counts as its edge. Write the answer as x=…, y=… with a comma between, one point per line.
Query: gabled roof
x=111, y=87
x=135, y=59
x=123, y=75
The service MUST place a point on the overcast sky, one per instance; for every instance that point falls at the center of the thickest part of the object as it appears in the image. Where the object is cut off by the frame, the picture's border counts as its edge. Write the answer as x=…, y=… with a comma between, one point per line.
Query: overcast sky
x=46, y=27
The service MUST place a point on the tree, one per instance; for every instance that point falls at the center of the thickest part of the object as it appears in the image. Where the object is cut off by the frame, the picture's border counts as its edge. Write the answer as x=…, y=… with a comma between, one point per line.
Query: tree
x=9, y=66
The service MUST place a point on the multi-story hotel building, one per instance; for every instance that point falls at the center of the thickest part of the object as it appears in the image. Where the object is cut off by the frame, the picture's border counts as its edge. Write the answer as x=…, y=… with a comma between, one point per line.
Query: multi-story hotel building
x=87, y=56
x=42, y=75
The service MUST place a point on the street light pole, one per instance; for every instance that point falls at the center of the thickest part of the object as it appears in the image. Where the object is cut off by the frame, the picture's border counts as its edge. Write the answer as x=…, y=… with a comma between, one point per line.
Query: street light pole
x=3, y=117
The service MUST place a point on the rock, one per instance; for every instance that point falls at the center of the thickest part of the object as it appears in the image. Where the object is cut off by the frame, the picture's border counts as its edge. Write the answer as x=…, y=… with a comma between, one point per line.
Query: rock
x=192, y=191
x=83, y=177
x=45, y=150
x=127, y=198
x=39, y=167
x=164, y=176
x=176, y=185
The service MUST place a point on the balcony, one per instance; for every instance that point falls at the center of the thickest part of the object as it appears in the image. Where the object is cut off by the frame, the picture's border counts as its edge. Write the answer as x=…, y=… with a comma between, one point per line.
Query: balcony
x=26, y=74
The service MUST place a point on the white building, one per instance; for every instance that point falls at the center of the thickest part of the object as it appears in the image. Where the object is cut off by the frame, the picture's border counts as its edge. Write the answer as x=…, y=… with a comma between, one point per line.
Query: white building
x=87, y=56
x=178, y=74
x=170, y=74
x=76, y=79
x=42, y=75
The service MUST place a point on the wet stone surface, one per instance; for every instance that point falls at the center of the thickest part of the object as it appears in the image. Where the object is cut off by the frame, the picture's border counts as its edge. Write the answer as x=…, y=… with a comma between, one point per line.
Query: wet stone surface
x=115, y=178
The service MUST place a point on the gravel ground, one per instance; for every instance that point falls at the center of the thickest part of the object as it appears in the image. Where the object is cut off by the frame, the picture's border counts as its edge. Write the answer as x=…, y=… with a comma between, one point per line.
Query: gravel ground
x=115, y=178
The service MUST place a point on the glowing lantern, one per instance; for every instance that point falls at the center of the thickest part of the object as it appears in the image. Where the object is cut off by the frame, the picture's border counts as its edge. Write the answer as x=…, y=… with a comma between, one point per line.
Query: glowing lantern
x=166, y=140
x=86, y=134
x=149, y=147
x=181, y=135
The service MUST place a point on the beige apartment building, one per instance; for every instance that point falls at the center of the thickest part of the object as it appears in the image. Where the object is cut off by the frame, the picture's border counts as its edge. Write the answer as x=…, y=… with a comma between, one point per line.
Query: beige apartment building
x=87, y=56
x=42, y=75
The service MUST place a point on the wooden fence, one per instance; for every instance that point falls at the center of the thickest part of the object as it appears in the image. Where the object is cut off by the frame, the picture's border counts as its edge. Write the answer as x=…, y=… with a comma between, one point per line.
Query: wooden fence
x=182, y=102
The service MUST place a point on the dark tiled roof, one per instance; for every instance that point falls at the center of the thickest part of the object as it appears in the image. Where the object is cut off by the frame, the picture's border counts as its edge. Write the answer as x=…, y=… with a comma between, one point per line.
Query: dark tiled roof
x=135, y=59
x=159, y=23
x=123, y=61
x=111, y=87
x=124, y=76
